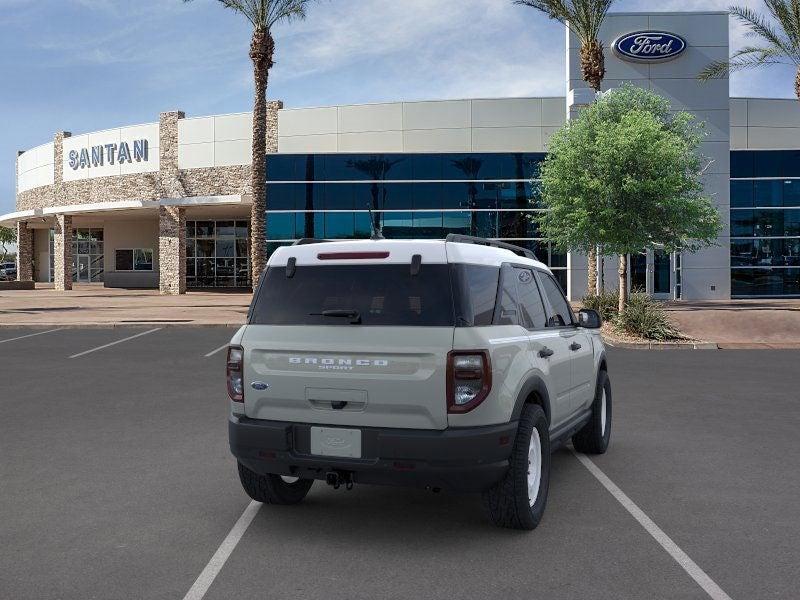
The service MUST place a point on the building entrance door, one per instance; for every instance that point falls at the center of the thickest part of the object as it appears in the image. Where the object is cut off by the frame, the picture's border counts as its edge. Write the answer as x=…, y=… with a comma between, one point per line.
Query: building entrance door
x=652, y=272
x=662, y=272
x=83, y=269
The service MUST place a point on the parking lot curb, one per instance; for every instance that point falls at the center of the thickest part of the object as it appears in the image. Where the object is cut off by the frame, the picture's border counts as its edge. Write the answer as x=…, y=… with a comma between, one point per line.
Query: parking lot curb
x=114, y=325
x=662, y=345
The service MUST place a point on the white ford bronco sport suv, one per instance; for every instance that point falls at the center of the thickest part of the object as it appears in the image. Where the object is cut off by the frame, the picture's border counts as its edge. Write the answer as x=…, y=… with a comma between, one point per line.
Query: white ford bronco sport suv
x=452, y=364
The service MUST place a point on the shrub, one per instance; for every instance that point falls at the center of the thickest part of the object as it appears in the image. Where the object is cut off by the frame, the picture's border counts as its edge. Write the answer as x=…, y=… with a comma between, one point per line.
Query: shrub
x=605, y=303
x=646, y=318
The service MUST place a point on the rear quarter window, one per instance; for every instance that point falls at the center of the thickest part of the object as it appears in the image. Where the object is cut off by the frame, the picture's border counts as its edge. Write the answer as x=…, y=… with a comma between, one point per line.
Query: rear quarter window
x=380, y=294
x=475, y=293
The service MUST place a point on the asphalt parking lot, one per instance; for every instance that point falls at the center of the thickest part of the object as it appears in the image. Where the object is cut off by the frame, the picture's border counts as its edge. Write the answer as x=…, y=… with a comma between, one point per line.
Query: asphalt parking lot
x=116, y=482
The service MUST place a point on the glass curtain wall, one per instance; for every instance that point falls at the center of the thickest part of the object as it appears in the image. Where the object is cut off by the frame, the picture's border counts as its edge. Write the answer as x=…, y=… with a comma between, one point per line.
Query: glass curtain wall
x=426, y=196
x=765, y=223
x=218, y=254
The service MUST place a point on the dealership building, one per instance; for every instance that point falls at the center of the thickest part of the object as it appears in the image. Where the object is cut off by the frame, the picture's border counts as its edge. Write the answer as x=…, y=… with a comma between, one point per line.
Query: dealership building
x=167, y=204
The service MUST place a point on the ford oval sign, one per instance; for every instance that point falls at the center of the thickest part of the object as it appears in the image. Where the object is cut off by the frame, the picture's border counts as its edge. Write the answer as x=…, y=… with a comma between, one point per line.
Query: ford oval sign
x=649, y=46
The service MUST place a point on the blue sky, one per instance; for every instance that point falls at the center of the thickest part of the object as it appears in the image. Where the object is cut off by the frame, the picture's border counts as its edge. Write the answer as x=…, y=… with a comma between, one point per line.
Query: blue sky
x=84, y=65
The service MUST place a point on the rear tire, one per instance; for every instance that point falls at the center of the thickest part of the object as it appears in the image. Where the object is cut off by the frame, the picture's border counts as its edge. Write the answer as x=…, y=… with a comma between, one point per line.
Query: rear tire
x=273, y=489
x=518, y=500
x=596, y=434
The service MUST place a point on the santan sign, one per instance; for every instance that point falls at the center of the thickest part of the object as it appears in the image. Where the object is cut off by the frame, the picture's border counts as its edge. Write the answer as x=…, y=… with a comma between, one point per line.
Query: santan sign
x=649, y=46
x=97, y=156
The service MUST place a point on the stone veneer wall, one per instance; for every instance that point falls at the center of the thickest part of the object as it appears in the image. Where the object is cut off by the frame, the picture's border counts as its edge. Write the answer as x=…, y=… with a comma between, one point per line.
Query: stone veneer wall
x=24, y=252
x=62, y=251
x=172, y=250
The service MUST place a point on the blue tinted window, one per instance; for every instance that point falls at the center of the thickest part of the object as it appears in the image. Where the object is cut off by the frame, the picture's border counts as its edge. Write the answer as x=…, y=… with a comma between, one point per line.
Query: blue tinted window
x=428, y=224
x=768, y=163
x=280, y=226
x=462, y=166
x=363, y=228
x=310, y=167
x=339, y=225
x=282, y=196
x=458, y=222
x=742, y=223
x=765, y=282
x=742, y=164
x=791, y=192
x=791, y=222
x=790, y=166
x=485, y=224
x=768, y=193
x=281, y=167
x=515, y=195
x=400, y=196
x=309, y=225
x=526, y=166
x=741, y=194
x=426, y=195
x=558, y=259
x=398, y=225
x=455, y=195
x=311, y=196
x=340, y=196
x=426, y=166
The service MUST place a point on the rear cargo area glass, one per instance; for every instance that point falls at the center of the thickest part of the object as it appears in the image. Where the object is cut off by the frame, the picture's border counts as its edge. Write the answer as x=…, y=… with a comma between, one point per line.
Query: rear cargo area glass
x=380, y=294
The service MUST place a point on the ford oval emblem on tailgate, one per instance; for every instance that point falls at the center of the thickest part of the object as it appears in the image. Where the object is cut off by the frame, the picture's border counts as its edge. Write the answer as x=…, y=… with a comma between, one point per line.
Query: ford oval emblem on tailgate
x=259, y=385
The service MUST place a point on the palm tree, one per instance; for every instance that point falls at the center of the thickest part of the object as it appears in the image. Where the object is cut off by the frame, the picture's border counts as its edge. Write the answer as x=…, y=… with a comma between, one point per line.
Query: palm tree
x=780, y=42
x=584, y=19
x=376, y=168
x=263, y=15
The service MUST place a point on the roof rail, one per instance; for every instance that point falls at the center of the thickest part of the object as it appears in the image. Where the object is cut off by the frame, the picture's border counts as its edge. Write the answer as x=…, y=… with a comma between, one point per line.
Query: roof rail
x=306, y=241
x=469, y=239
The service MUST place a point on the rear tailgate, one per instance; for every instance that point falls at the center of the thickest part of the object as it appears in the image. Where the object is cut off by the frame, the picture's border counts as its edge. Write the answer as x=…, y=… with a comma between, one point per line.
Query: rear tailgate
x=348, y=375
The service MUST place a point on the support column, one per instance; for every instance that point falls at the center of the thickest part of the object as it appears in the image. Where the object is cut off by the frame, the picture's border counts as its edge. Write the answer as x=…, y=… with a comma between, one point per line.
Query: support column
x=62, y=251
x=24, y=252
x=171, y=250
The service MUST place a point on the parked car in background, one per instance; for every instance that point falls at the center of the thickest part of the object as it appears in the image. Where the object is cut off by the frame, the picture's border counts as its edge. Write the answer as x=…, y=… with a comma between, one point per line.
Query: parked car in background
x=8, y=271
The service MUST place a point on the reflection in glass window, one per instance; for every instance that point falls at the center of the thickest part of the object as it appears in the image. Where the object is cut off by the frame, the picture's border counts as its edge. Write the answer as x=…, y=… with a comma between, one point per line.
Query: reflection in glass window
x=530, y=300
x=220, y=255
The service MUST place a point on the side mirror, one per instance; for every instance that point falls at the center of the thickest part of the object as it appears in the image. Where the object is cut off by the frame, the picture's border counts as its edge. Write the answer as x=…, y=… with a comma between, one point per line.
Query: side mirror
x=590, y=319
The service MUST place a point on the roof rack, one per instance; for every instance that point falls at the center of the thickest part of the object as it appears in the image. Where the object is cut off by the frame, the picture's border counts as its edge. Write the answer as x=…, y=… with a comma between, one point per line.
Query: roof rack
x=306, y=241
x=469, y=239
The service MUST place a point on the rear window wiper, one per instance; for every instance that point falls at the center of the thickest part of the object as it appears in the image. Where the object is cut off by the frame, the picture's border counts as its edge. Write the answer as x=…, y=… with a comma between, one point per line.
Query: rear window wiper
x=353, y=315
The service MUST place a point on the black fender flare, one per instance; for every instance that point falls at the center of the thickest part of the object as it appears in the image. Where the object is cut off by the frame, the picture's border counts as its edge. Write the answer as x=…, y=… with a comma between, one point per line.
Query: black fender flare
x=534, y=384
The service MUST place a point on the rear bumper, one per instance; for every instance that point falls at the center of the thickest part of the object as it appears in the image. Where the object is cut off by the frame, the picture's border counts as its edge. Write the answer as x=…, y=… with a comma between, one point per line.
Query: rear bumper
x=464, y=459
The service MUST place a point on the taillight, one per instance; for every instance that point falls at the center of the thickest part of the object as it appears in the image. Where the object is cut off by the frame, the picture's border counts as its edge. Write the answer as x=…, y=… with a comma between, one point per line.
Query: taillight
x=235, y=373
x=469, y=379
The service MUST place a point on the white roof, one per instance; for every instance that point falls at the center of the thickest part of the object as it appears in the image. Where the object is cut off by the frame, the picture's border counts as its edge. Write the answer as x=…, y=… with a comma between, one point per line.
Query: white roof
x=398, y=252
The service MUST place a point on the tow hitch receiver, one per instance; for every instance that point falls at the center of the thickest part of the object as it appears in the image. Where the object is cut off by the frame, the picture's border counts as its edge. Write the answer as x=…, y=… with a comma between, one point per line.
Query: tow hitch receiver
x=339, y=478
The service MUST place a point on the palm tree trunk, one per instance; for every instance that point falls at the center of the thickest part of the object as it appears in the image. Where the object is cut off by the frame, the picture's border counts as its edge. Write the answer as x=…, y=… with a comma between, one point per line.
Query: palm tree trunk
x=591, y=282
x=623, y=282
x=593, y=70
x=593, y=67
x=797, y=84
x=261, y=52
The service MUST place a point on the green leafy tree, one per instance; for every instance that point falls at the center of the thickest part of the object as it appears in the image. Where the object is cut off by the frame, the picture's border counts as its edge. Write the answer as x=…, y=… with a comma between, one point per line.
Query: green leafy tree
x=584, y=19
x=626, y=175
x=263, y=15
x=8, y=236
x=778, y=40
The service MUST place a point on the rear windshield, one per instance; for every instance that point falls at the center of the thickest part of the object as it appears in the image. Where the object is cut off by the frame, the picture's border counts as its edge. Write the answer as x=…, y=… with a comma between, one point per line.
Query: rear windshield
x=378, y=294
x=438, y=296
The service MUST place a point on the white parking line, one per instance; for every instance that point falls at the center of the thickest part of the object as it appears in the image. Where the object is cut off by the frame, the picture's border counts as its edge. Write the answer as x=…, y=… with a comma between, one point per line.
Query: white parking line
x=213, y=352
x=214, y=566
x=22, y=337
x=688, y=565
x=115, y=343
